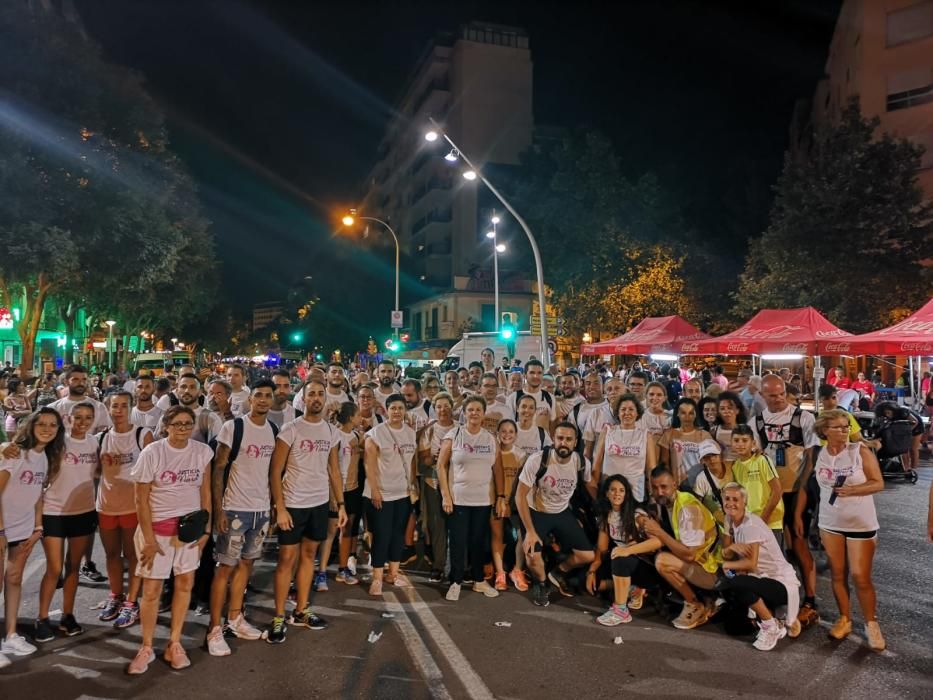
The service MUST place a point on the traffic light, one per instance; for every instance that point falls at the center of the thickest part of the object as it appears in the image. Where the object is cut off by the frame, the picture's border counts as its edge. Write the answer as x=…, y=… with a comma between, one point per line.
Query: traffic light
x=404, y=337
x=507, y=332
x=298, y=336
x=392, y=344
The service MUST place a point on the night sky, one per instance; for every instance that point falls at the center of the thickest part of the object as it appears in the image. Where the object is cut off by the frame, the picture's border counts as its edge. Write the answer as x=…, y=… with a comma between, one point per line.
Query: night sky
x=277, y=109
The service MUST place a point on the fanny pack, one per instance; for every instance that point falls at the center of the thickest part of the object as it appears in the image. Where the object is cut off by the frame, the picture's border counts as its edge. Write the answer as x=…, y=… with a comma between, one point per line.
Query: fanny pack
x=193, y=525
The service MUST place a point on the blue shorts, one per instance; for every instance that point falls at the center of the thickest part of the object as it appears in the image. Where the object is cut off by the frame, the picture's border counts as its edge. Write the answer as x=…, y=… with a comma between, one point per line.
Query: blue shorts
x=246, y=531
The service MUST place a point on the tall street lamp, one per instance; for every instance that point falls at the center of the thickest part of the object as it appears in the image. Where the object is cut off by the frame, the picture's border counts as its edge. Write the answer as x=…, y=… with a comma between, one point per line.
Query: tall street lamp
x=110, y=325
x=496, y=249
x=349, y=220
x=474, y=173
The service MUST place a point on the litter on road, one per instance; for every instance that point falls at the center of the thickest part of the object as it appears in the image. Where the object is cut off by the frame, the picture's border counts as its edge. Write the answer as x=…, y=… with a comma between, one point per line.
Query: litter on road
x=388, y=615
x=618, y=640
x=503, y=624
x=373, y=637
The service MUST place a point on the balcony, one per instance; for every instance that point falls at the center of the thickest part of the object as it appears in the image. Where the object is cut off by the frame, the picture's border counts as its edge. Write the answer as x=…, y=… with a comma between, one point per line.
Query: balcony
x=434, y=183
x=440, y=248
x=443, y=216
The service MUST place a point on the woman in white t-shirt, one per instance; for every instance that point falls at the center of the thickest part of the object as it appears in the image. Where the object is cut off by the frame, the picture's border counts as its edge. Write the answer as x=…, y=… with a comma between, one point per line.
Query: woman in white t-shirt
x=626, y=449
x=68, y=515
x=26, y=466
x=730, y=413
x=755, y=570
x=656, y=418
x=848, y=475
x=679, y=446
x=389, y=491
x=173, y=479
x=468, y=462
x=530, y=437
x=433, y=519
x=349, y=451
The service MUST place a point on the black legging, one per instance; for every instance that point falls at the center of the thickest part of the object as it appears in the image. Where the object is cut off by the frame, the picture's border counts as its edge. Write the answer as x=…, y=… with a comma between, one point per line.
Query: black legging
x=745, y=590
x=642, y=573
x=388, y=527
x=468, y=527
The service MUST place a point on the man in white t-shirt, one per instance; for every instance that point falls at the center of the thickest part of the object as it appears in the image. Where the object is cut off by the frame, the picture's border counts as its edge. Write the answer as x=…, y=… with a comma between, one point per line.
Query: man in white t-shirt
x=239, y=397
x=305, y=477
x=188, y=393
x=420, y=412
x=145, y=413
x=544, y=507
x=496, y=407
x=546, y=403
x=600, y=415
x=76, y=384
x=241, y=507
x=385, y=375
x=570, y=396
x=336, y=381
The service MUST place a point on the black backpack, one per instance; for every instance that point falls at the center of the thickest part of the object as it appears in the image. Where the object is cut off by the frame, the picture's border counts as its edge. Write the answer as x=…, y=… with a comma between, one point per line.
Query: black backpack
x=546, y=395
x=100, y=437
x=238, y=430
x=796, y=430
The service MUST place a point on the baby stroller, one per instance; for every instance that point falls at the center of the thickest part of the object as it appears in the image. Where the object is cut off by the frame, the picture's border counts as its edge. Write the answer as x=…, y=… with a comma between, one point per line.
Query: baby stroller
x=894, y=426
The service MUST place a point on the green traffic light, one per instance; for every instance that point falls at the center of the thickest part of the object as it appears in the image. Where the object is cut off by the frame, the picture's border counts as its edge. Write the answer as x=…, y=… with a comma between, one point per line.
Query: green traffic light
x=297, y=337
x=507, y=333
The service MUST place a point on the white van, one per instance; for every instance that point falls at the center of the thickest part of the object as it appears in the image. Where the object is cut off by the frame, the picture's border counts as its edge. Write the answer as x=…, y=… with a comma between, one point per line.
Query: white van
x=468, y=349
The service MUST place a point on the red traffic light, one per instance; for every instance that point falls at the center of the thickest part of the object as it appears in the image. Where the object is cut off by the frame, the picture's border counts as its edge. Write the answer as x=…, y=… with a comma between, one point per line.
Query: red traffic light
x=404, y=337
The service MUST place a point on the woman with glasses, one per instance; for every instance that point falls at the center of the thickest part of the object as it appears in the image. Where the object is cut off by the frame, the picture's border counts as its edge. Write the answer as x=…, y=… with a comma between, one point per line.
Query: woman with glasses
x=848, y=474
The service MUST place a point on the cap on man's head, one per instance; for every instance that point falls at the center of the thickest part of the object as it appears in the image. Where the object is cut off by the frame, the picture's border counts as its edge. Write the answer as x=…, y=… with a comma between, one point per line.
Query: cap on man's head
x=709, y=447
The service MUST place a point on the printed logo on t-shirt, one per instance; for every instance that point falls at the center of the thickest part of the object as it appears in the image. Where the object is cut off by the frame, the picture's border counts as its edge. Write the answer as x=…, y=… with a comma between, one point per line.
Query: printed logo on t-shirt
x=625, y=450
x=27, y=478
x=73, y=459
x=185, y=476
x=259, y=451
x=561, y=485
x=314, y=445
x=682, y=447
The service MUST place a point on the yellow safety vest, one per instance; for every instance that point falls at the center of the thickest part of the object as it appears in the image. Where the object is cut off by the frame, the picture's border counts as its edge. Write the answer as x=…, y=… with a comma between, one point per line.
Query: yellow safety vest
x=710, y=556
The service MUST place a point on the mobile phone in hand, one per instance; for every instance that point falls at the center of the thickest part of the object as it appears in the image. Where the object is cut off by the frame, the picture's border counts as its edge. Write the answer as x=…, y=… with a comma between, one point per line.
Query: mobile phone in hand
x=840, y=480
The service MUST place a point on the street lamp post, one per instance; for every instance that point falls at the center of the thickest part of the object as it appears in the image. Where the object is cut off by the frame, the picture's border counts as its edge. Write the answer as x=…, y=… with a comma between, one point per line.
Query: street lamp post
x=472, y=174
x=348, y=221
x=496, y=249
x=110, y=325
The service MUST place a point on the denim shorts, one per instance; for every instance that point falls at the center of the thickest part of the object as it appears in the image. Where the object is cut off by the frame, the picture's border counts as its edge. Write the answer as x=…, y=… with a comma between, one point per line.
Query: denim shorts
x=246, y=531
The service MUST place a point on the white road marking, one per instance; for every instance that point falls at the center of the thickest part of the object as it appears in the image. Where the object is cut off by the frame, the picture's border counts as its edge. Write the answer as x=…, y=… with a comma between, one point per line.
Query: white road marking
x=418, y=650
x=74, y=653
x=79, y=673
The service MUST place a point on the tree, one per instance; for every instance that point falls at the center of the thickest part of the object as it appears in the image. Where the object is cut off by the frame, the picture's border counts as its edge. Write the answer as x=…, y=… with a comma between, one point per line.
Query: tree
x=96, y=211
x=848, y=230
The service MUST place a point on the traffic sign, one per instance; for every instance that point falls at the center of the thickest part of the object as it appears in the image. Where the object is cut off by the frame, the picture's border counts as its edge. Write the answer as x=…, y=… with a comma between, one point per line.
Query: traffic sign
x=397, y=319
x=555, y=326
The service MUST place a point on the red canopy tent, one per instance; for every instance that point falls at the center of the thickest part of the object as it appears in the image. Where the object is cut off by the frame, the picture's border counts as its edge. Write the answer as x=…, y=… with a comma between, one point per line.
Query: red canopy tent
x=654, y=334
x=912, y=336
x=776, y=331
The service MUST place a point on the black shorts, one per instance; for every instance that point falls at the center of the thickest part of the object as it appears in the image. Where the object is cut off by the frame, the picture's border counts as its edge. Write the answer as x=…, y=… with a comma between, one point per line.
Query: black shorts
x=307, y=523
x=353, y=501
x=80, y=525
x=565, y=528
x=849, y=535
x=811, y=492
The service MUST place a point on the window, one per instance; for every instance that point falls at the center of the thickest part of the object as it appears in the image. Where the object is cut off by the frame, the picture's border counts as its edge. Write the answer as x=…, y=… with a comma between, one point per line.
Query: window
x=488, y=317
x=445, y=313
x=434, y=328
x=911, y=23
x=909, y=89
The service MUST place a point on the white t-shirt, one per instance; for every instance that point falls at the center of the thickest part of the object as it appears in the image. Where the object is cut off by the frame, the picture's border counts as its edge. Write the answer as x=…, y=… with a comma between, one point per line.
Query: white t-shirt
x=349, y=446
x=566, y=405
x=552, y=495
x=656, y=423
x=597, y=419
x=176, y=476
x=211, y=424
x=116, y=494
x=771, y=561
x=280, y=418
x=396, y=448
x=495, y=412
x=471, y=460
x=239, y=402
x=419, y=416
x=546, y=407
x=248, y=481
x=307, y=481
x=22, y=491
x=146, y=419
x=72, y=492
x=527, y=442
x=848, y=513
x=626, y=453
x=614, y=525
x=579, y=418
x=129, y=385
x=723, y=436
x=101, y=416
x=381, y=398
x=777, y=428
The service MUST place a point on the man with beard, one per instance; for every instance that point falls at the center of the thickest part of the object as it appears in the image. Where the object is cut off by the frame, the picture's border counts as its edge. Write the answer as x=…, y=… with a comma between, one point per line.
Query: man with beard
x=600, y=415
x=474, y=374
x=546, y=405
x=76, y=384
x=145, y=413
x=335, y=388
x=419, y=409
x=305, y=476
x=385, y=375
x=496, y=408
x=690, y=536
x=282, y=411
x=219, y=393
x=545, y=486
x=570, y=397
x=207, y=423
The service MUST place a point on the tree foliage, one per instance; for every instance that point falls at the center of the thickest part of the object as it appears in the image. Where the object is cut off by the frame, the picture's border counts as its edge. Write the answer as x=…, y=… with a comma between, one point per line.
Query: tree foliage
x=848, y=230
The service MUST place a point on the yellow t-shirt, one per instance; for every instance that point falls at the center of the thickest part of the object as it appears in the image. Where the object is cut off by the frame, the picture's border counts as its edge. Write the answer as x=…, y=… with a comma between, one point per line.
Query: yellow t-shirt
x=754, y=474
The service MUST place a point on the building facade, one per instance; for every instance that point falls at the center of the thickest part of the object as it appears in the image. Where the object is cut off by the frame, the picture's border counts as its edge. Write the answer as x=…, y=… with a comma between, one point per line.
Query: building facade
x=267, y=313
x=882, y=53
x=478, y=84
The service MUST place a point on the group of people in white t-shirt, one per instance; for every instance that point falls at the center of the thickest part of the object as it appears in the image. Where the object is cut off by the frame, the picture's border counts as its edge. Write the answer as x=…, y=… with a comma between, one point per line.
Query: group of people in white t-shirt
x=593, y=487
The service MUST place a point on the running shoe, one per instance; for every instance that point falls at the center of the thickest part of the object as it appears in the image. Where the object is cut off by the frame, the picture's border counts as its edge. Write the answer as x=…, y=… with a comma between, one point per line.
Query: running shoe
x=129, y=616
x=539, y=594
x=140, y=664
x=4, y=661
x=842, y=628
x=500, y=583
x=769, y=634
x=344, y=576
x=485, y=589
x=636, y=598
x=320, y=581
x=873, y=635
x=216, y=644
x=453, y=593
x=111, y=608
x=351, y=564
x=308, y=618
x=808, y=615
x=17, y=646
x=436, y=576
x=615, y=615
x=70, y=626
x=89, y=574
x=556, y=576
x=518, y=579
x=277, y=631
x=176, y=656
x=44, y=631
x=692, y=615
x=241, y=628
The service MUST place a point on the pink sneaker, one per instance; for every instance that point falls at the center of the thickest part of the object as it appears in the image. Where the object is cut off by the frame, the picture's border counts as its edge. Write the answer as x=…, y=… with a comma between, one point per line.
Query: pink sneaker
x=176, y=656
x=140, y=664
x=518, y=580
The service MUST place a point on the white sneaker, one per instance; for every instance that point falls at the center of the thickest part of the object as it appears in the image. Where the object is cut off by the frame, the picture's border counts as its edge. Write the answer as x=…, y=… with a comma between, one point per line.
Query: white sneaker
x=769, y=635
x=453, y=593
x=351, y=564
x=485, y=589
x=17, y=645
x=242, y=629
x=216, y=644
x=4, y=661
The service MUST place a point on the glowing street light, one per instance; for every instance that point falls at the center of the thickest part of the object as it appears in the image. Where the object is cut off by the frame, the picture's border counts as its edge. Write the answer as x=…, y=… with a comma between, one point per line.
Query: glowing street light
x=490, y=234
x=351, y=218
x=500, y=248
x=110, y=325
x=495, y=219
x=469, y=175
x=431, y=136
x=348, y=220
x=452, y=156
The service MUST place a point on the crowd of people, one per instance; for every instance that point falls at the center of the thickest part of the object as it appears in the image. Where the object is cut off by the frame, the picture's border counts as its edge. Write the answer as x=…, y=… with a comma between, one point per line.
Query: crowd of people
x=652, y=486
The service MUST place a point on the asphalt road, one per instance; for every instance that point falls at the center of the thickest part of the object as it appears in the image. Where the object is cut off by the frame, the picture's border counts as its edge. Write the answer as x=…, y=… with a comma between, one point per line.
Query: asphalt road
x=431, y=648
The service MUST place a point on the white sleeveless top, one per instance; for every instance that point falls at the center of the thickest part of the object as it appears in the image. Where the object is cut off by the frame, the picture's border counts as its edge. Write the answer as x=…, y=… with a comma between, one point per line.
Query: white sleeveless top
x=850, y=513
x=626, y=454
